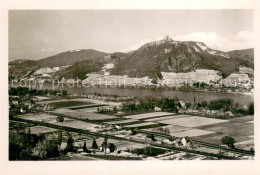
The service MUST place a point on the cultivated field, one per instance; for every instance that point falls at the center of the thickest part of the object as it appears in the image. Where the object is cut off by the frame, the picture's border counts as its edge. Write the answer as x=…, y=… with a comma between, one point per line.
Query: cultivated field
x=92, y=109
x=38, y=117
x=83, y=115
x=148, y=115
x=41, y=129
x=192, y=121
x=63, y=104
x=122, y=121
x=191, y=133
x=77, y=124
x=42, y=118
x=140, y=124
x=161, y=118
x=173, y=128
x=79, y=107
x=238, y=128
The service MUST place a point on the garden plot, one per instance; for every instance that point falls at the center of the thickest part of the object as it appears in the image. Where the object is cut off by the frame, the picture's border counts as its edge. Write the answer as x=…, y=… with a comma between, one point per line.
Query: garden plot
x=191, y=133
x=70, y=103
x=85, y=115
x=92, y=109
x=39, y=117
x=43, y=118
x=122, y=121
x=148, y=115
x=172, y=128
x=41, y=129
x=192, y=121
x=158, y=119
x=86, y=106
x=141, y=124
x=77, y=124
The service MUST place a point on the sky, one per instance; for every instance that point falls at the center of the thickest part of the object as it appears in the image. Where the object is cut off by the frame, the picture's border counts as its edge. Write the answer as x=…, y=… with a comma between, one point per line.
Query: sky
x=36, y=34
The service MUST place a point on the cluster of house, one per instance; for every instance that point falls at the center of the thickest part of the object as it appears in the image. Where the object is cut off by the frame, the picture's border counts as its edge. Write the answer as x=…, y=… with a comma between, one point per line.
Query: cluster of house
x=26, y=105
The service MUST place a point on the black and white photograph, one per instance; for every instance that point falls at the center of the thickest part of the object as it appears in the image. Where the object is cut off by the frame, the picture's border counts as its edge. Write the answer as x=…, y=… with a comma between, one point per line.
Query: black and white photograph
x=131, y=85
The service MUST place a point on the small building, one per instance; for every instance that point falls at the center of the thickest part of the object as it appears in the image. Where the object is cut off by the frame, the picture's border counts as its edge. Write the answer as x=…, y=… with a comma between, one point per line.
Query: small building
x=184, y=142
x=157, y=109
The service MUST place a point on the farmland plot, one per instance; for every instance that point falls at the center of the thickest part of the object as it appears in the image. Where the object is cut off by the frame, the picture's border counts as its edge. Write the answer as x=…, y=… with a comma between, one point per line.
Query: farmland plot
x=148, y=115
x=172, y=128
x=161, y=118
x=92, y=109
x=122, y=121
x=86, y=106
x=38, y=117
x=192, y=121
x=85, y=115
x=41, y=129
x=191, y=133
x=240, y=131
x=140, y=124
x=77, y=124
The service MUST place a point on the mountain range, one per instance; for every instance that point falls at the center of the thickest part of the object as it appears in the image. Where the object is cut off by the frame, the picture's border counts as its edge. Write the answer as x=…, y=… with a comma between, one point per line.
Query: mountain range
x=151, y=59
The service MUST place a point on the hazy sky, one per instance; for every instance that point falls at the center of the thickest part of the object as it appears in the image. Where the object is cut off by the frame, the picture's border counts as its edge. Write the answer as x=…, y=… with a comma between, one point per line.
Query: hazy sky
x=41, y=33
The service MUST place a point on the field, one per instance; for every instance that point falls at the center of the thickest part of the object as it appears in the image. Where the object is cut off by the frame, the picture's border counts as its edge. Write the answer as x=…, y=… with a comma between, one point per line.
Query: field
x=41, y=129
x=77, y=124
x=201, y=128
x=83, y=115
x=92, y=109
x=162, y=118
x=191, y=133
x=191, y=121
x=239, y=128
x=62, y=104
x=140, y=124
x=86, y=106
x=42, y=118
x=123, y=121
x=149, y=115
x=38, y=117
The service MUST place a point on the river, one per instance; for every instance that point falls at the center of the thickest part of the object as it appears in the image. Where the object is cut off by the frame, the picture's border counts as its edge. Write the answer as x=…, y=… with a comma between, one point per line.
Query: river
x=243, y=99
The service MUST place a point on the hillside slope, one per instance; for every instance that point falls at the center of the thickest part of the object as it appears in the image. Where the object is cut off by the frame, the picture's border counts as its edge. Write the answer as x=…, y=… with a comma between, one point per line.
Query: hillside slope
x=70, y=57
x=168, y=55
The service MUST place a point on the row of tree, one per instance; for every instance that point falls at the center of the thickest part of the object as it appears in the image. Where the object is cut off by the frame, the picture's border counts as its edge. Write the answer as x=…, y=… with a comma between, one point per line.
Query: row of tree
x=23, y=91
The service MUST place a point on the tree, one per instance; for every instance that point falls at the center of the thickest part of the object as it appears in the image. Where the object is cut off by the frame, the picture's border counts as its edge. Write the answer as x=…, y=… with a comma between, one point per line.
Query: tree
x=170, y=61
x=204, y=104
x=151, y=136
x=229, y=141
x=60, y=118
x=94, y=144
x=251, y=108
x=70, y=143
x=64, y=92
x=112, y=147
x=59, y=137
x=104, y=144
x=85, y=147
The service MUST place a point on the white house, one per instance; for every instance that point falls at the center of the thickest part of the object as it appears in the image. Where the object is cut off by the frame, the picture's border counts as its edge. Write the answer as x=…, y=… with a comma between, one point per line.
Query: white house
x=157, y=109
x=183, y=141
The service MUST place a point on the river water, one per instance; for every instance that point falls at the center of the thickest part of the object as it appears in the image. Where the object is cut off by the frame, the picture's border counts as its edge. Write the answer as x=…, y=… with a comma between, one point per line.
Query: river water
x=243, y=99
